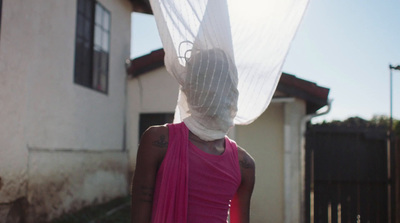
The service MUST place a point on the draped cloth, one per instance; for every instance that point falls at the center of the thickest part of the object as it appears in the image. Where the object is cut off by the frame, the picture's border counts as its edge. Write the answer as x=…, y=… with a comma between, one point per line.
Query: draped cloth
x=240, y=46
x=171, y=192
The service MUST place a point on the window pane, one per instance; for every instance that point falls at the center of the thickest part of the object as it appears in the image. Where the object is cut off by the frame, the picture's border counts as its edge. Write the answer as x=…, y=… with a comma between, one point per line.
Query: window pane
x=104, y=70
x=80, y=25
x=105, y=41
x=97, y=36
x=86, y=77
x=98, y=12
x=104, y=61
x=78, y=60
x=83, y=43
x=87, y=45
x=103, y=81
x=106, y=21
x=88, y=30
x=95, y=71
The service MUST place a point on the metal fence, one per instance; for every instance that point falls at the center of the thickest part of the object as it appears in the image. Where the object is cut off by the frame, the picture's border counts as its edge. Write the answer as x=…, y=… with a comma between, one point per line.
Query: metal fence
x=349, y=175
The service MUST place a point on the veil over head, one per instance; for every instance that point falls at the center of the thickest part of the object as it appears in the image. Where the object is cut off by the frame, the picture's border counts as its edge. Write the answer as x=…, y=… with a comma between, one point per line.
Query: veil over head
x=210, y=91
x=227, y=57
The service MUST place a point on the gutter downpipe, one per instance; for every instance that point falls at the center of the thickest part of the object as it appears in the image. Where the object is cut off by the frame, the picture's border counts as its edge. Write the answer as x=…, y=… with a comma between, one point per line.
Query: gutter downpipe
x=303, y=124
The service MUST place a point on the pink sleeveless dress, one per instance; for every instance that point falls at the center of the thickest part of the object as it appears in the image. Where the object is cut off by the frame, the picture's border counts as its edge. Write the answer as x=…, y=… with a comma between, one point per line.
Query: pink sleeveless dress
x=194, y=186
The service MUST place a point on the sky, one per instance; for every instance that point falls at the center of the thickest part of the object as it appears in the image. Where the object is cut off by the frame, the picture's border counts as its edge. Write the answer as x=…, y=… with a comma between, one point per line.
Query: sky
x=343, y=45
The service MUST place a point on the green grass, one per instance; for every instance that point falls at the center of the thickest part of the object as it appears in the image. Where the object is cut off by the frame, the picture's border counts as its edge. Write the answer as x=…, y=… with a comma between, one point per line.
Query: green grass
x=115, y=211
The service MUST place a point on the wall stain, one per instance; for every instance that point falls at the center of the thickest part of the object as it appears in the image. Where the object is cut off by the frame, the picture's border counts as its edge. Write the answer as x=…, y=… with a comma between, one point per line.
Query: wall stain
x=18, y=212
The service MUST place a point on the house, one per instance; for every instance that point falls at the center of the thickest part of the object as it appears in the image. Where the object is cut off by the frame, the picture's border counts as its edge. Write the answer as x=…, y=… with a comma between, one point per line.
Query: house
x=275, y=139
x=62, y=105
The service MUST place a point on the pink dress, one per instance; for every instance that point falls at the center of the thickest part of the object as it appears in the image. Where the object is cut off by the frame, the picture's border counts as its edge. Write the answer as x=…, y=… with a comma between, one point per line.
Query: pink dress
x=194, y=186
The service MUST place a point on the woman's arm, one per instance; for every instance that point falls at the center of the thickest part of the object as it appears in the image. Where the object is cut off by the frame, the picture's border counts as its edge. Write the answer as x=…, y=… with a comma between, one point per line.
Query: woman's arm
x=152, y=149
x=240, y=207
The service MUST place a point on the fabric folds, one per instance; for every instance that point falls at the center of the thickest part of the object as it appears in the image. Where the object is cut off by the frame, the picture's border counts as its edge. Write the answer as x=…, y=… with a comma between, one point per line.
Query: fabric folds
x=171, y=192
x=240, y=46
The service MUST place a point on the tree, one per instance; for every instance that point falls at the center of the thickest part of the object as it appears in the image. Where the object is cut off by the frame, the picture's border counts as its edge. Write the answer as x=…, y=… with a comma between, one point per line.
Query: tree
x=381, y=121
x=385, y=121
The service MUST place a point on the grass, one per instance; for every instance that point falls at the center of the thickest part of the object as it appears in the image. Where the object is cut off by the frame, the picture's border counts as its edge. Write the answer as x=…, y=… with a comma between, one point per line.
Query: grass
x=115, y=211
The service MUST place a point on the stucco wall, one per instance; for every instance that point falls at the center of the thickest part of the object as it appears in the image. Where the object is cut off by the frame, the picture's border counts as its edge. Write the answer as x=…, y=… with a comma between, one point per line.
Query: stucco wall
x=274, y=140
x=42, y=109
x=14, y=67
x=61, y=114
x=154, y=92
x=263, y=139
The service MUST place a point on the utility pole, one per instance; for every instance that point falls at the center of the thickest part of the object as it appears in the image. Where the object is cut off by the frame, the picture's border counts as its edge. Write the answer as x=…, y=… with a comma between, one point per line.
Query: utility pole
x=391, y=186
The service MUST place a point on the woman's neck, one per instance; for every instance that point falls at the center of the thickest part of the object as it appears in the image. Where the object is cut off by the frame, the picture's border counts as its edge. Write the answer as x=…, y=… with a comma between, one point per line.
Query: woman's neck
x=215, y=147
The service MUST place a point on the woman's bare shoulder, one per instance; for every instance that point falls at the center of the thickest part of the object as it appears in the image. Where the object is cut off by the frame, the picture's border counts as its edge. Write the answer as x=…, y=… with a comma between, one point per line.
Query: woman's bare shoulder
x=154, y=144
x=246, y=161
x=156, y=136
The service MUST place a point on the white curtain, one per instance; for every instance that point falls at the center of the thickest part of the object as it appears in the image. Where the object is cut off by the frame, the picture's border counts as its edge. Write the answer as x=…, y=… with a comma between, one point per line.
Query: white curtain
x=254, y=36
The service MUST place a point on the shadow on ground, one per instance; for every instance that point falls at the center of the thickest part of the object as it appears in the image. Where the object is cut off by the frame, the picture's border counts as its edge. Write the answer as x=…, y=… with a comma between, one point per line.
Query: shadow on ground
x=115, y=211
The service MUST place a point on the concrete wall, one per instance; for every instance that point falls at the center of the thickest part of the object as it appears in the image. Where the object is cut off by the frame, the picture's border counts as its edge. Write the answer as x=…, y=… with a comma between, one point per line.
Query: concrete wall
x=154, y=92
x=45, y=116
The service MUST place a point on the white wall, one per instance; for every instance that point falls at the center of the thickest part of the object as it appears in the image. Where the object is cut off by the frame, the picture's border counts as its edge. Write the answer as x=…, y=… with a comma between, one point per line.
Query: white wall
x=44, y=113
x=14, y=67
x=61, y=114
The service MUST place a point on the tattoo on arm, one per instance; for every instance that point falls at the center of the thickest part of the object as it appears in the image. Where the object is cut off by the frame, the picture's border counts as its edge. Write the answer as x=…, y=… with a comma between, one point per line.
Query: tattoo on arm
x=245, y=163
x=161, y=142
x=146, y=194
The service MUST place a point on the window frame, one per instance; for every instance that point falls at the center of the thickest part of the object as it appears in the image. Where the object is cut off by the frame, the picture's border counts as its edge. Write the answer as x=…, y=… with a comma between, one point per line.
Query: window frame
x=85, y=52
x=102, y=52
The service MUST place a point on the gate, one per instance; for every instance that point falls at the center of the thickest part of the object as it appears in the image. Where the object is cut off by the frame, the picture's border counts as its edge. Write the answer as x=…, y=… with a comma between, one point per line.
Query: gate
x=348, y=175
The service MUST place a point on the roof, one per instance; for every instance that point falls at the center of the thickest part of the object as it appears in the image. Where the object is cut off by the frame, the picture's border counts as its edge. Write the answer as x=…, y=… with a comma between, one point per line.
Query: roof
x=146, y=63
x=315, y=96
x=142, y=6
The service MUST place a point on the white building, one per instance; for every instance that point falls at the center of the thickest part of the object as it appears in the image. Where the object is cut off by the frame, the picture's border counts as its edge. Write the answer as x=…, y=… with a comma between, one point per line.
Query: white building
x=62, y=105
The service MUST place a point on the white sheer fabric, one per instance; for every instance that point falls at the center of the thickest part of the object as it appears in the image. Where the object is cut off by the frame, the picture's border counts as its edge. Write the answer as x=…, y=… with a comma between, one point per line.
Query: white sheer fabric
x=217, y=48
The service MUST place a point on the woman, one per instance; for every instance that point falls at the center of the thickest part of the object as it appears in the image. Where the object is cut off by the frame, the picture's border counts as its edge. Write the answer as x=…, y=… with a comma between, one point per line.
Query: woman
x=191, y=171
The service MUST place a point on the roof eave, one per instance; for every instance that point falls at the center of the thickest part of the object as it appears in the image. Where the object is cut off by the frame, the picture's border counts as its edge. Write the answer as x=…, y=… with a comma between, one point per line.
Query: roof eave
x=142, y=6
x=315, y=96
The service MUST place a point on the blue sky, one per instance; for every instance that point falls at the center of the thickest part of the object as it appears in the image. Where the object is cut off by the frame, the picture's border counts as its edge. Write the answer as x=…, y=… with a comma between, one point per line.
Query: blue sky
x=343, y=45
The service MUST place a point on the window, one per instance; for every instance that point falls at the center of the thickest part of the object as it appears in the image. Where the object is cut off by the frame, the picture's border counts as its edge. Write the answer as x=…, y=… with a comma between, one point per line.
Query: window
x=92, y=45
